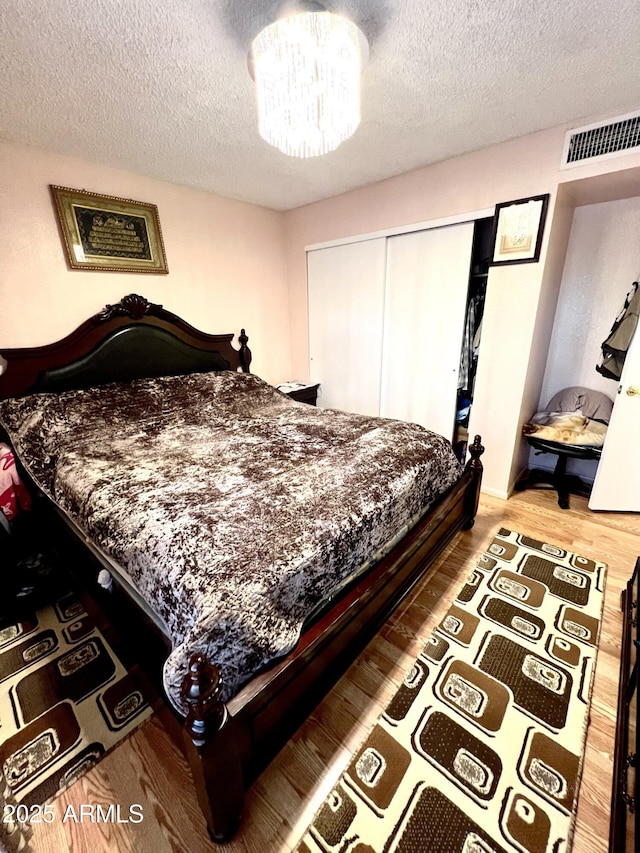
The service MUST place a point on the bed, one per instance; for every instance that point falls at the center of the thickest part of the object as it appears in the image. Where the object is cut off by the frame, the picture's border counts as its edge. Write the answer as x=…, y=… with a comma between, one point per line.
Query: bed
x=248, y=539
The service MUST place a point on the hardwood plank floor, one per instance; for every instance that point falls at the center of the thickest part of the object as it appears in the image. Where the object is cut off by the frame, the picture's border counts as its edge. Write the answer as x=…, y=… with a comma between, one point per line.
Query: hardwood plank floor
x=148, y=768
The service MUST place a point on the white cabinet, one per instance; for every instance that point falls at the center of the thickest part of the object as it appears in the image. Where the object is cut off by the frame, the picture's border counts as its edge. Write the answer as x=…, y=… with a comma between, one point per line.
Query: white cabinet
x=386, y=320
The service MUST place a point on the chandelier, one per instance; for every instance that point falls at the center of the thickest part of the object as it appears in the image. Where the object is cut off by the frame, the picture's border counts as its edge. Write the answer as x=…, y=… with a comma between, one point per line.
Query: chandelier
x=306, y=67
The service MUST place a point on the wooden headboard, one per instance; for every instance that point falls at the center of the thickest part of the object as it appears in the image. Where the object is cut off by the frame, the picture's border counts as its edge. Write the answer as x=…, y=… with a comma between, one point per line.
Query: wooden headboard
x=130, y=340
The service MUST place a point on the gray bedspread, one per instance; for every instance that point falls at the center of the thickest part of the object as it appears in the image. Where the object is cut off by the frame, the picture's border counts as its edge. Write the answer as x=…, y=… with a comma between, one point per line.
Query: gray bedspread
x=233, y=509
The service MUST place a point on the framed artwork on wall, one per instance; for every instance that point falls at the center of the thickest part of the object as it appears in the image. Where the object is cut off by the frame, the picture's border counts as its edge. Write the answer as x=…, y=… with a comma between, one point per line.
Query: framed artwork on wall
x=518, y=230
x=103, y=232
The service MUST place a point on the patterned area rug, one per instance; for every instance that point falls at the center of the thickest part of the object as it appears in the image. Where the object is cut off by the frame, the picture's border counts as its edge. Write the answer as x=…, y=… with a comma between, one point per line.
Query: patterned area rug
x=65, y=700
x=481, y=749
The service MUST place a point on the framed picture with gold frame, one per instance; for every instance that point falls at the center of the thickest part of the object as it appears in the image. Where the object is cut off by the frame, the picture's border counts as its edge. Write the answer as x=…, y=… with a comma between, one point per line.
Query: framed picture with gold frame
x=103, y=232
x=518, y=229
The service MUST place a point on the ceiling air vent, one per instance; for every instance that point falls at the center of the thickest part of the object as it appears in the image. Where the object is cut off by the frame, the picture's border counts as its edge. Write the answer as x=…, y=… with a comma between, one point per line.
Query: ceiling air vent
x=605, y=139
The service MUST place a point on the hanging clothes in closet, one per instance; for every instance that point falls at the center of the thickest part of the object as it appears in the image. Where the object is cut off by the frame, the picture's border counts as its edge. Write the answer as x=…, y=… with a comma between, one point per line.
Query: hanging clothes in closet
x=471, y=343
x=614, y=348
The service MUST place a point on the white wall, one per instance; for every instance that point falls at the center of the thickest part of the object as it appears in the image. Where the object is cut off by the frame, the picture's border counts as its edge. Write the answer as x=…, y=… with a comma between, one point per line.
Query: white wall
x=559, y=233
x=603, y=259
x=226, y=259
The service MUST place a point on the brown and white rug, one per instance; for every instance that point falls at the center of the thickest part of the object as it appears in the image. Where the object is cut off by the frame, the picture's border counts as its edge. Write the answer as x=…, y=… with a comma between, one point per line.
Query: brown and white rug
x=481, y=748
x=65, y=700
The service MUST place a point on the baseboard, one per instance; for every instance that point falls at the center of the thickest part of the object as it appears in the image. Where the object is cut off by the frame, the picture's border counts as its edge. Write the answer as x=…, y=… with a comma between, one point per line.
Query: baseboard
x=496, y=493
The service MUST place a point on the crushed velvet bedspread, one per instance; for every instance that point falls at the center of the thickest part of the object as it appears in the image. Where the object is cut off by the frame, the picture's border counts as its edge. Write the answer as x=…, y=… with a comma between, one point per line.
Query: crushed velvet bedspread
x=233, y=508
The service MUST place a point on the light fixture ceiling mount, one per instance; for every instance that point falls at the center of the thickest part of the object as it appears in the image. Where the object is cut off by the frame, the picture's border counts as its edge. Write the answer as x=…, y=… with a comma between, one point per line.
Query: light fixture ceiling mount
x=306, y=67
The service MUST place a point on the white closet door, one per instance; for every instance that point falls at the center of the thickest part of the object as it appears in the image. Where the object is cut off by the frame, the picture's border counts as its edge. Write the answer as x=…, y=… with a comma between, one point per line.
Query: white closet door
x=617, y=483
x=425, y=312
x=346, y=302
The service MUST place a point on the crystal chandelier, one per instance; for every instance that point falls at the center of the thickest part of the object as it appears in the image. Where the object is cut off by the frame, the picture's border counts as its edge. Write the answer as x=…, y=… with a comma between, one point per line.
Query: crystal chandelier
x=307, y=72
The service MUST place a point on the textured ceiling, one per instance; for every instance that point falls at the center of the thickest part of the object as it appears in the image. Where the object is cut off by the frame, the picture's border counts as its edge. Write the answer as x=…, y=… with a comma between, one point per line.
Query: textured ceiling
x=161, y=87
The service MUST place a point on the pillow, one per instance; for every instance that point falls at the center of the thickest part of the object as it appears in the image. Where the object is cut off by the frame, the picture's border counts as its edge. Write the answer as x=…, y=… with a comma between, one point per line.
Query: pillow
x=591, y=404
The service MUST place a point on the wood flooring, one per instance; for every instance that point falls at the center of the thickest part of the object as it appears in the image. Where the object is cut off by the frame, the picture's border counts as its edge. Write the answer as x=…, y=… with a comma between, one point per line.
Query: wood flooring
x=148, y=769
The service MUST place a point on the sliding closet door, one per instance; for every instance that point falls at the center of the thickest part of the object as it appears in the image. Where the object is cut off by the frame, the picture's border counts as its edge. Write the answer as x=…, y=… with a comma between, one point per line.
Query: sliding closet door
x=346, y=302
x=425, y=305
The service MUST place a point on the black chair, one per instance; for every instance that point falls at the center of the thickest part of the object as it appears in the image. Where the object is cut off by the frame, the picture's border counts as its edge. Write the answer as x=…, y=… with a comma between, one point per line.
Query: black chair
x=558, y=479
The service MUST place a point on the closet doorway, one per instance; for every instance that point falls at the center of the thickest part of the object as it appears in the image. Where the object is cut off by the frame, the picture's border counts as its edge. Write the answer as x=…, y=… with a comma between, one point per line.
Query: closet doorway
x=601, y=262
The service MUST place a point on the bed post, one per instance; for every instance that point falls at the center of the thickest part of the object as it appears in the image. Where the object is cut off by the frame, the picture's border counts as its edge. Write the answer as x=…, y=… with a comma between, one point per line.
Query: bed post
x=472, y=496
x=245, y=352
x=212, y=749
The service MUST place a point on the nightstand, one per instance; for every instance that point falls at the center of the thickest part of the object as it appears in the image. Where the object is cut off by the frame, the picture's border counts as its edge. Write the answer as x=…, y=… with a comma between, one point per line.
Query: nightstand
x=301, y=393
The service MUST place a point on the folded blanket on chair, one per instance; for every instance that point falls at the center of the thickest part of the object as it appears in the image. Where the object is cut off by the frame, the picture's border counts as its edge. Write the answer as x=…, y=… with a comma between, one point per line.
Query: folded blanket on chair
x=566, y=428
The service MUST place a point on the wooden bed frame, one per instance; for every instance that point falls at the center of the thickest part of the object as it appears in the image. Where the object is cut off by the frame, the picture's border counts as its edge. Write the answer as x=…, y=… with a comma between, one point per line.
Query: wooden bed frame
x=229, y=744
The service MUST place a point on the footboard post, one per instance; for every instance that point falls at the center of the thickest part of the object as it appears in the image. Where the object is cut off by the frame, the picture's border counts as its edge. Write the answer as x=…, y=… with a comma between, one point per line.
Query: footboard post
x=212, y=749
x=474, y=465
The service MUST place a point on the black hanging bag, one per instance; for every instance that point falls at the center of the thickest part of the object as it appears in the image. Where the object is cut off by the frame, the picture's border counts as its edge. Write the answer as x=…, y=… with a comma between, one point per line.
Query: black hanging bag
x=614, y=349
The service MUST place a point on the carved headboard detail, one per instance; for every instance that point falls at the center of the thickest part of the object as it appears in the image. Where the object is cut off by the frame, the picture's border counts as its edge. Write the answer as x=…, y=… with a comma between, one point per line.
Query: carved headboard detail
x=133, y=306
